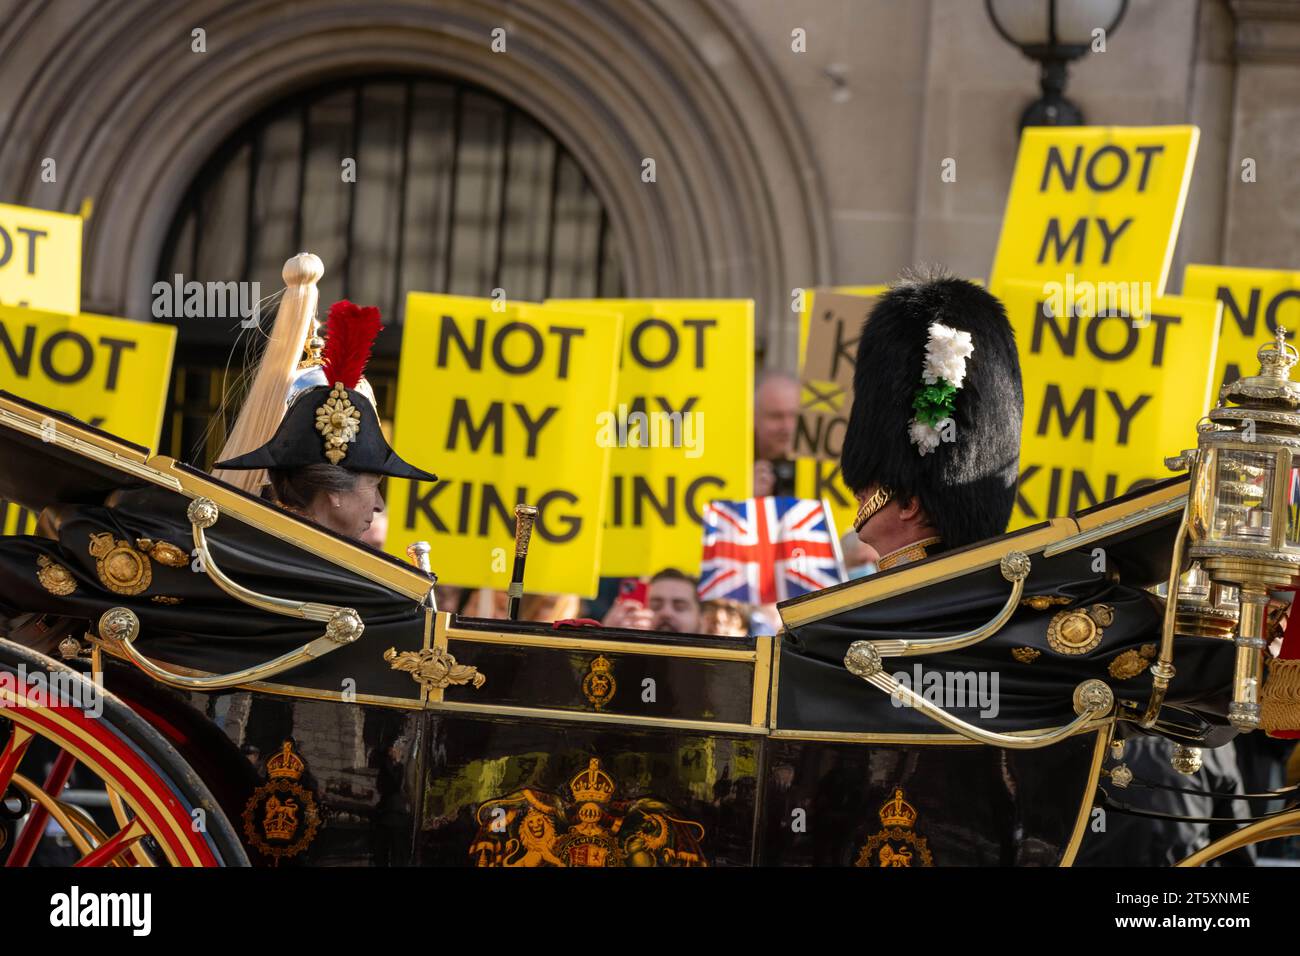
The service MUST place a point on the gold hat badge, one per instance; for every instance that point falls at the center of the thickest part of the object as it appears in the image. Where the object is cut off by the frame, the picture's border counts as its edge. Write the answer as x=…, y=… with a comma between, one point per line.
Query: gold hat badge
x=339, y=421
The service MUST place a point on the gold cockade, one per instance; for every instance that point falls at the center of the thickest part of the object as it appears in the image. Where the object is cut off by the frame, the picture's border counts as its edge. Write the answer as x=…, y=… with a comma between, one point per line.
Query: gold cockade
x=1078, y=631
x=339, y=421
x=121, y=568
x=54, y=577
x=433, y=668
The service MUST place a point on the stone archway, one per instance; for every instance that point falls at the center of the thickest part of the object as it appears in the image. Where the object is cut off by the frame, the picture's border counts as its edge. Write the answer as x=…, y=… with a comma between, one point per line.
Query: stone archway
x=738, y=208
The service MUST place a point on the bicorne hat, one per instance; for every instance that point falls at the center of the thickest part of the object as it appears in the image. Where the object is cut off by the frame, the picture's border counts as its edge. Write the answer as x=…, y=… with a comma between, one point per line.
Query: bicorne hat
x=937, y=403
x=335, y=423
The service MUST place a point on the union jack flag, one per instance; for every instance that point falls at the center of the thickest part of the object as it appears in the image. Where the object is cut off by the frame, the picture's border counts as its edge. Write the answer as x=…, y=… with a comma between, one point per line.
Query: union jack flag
x=768, y=549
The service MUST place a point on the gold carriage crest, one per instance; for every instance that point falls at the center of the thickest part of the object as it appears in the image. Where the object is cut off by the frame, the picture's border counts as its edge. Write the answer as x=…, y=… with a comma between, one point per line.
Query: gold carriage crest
x=121, y=568
x=599, y=685
x=532, y=828
x=897, y=844
x=281, y=817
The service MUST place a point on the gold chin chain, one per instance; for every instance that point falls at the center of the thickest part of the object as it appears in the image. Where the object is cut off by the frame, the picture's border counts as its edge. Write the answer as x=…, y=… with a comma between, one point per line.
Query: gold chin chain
x=871, y=506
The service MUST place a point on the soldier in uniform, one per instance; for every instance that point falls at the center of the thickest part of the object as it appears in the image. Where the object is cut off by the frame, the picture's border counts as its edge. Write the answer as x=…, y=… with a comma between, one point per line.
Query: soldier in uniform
x=933, y=444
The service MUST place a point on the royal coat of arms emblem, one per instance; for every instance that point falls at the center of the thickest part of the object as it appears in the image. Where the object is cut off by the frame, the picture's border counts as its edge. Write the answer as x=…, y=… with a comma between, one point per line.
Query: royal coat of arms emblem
x=897, y=844
x=586, y=827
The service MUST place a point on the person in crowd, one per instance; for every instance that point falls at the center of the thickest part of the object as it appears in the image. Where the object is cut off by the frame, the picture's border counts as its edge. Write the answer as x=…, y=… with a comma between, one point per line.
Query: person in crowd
x=671, y=604
x=723, y=618
x=776, y=413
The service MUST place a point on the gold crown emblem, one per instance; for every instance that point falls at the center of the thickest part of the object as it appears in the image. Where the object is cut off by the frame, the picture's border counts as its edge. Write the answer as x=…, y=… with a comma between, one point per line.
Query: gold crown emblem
x=286, y=765
x=601, y=665
x=897, y=812
x=592, y=785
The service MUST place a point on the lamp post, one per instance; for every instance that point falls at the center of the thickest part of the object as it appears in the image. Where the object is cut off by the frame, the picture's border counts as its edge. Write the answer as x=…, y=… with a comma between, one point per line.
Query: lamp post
x=1053, y=32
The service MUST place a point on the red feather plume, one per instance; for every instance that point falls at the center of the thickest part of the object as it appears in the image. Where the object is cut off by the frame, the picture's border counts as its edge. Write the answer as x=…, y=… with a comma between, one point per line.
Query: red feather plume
x=349, y=336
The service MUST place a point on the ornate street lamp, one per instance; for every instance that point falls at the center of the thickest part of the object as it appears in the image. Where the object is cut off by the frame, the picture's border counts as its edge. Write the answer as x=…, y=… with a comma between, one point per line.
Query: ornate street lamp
x=1242, y=524
x=1054, y=32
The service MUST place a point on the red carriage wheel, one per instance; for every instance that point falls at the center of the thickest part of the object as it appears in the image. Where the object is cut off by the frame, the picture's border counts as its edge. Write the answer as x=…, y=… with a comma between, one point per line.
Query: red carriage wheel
x=154, y=793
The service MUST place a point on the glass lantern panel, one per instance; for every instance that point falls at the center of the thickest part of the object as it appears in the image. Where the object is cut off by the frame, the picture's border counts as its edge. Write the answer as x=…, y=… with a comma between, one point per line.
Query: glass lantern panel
x=1293, y=508
x=1243, y=508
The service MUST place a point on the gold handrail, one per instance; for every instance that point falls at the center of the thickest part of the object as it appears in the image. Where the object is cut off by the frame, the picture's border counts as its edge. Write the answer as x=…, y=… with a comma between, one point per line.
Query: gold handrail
x=119, y=626
x=1283, y=825
x=1092, y=700
x=1015, y=568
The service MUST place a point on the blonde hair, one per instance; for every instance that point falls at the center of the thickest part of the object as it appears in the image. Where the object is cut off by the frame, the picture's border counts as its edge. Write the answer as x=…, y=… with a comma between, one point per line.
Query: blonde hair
x=264, y=407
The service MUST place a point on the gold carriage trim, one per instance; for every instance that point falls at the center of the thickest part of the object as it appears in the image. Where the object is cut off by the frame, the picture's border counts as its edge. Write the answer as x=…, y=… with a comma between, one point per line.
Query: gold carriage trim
x=54, y=577
x=339, y=421
x=897, y=844
x=433, y=668
x=1078, y=631
x=281, y=817
x=1041, y=602
x=121, y=568
x=1026, y=655
x=1132, y=662
x=598, y=685
x=164, y=552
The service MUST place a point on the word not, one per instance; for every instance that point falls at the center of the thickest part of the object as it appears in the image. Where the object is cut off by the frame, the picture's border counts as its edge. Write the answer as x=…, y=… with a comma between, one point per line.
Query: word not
x=950, y=689
x=8, y=245
x=55, y=352
x=103, y=909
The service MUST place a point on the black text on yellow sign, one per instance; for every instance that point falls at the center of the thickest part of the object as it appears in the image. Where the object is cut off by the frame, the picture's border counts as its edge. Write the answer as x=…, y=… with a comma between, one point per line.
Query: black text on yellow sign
x=1256, y=303
x=1107, y=396
x=110, y=373
x=503, y=406
x=1102, y=203
x=40, y=259
x=687, y=366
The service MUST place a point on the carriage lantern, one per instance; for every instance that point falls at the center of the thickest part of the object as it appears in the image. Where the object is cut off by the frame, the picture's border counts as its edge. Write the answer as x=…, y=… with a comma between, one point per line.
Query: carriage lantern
x=1243, y=525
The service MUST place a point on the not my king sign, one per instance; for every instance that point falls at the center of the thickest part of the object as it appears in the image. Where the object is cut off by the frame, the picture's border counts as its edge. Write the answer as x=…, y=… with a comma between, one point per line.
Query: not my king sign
x=1107, y=395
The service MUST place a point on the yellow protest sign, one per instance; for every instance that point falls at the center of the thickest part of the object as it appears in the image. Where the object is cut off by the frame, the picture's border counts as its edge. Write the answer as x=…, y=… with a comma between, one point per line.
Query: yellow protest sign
x=684, y=418
x=1103, y=203
x=40, y=259
x=110, y=373
x=1107, y=396
x=504, y=406
x=1255, y=303
x=821, y=479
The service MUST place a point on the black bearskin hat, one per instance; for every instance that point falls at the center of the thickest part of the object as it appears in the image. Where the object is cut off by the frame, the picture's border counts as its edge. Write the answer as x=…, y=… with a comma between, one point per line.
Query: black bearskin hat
x=967, y=486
